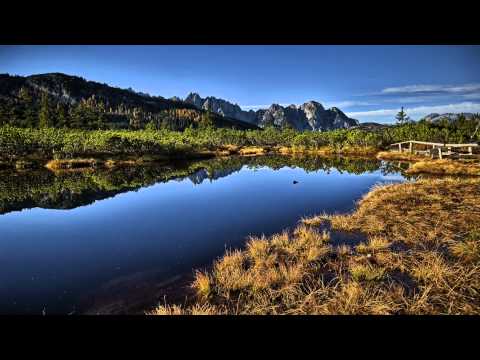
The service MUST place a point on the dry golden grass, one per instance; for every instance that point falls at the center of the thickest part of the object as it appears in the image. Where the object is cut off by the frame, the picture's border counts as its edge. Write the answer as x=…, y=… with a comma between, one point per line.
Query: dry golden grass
x=328, y=150
x=198, y=309
x=252, y=150
x=71, y=164
x=226, y=150
x=116, y=163
x=202, y=284
x=82, y=164
x=401, y=156
x=366, y=272
x=444, y=167
x=373, y=245
x=421, y=257
x=467, y=250
x=426, y=165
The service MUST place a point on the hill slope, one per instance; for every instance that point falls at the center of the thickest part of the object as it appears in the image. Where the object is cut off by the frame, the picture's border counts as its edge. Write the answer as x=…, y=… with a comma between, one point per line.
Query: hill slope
x=72, y=101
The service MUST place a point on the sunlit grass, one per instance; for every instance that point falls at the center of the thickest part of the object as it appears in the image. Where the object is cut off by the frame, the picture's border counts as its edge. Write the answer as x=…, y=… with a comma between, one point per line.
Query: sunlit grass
x=252, y=150
x=71, y=164
x=434, y=270
x=401, y=156
x=444, y=167
x=366, y=272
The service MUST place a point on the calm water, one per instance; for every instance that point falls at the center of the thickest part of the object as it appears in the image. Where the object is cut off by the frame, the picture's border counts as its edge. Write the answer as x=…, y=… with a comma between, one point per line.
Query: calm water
x=74, y=242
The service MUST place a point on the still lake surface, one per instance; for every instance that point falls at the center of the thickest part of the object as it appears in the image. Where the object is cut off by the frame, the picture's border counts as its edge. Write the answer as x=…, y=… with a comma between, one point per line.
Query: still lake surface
x=92, y=241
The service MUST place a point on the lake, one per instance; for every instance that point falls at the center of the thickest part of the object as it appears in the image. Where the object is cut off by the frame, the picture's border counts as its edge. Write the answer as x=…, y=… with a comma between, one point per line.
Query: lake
x=107, y=241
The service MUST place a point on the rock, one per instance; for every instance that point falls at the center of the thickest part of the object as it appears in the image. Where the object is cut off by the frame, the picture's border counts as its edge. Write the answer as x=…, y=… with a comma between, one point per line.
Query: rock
x=450, y=117
x=221, y=107
x=309, y=116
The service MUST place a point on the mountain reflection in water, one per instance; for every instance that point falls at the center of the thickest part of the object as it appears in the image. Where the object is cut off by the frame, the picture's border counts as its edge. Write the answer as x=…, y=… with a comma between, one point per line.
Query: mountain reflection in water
x=112, y=241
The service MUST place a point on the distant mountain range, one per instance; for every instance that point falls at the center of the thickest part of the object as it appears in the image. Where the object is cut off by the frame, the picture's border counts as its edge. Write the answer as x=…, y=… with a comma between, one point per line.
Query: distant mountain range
x=20, y=98
x=451, y=117
x=309, y=116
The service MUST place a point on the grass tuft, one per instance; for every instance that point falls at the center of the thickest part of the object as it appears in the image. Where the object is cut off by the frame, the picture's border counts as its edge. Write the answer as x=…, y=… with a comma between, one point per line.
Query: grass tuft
x=202, y=285
x=368, y=272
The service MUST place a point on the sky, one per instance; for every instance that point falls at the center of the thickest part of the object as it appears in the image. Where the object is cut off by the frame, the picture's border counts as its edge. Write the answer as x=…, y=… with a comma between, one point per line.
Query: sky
x=369, y=83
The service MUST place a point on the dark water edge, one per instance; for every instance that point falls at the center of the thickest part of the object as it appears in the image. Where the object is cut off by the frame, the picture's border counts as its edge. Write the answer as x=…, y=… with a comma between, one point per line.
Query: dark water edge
x=140, y=293
x=258, y=189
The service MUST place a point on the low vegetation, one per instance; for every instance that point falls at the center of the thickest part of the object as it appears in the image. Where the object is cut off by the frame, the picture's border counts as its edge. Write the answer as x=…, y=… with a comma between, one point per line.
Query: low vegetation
x=421, y=256
x=398, y=156
x=445, y=167
x=64, y=143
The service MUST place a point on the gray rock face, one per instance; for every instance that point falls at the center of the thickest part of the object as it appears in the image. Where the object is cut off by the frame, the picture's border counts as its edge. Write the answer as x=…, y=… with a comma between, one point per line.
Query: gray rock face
x=451, y=117
x=309, y=116
x=221, y=107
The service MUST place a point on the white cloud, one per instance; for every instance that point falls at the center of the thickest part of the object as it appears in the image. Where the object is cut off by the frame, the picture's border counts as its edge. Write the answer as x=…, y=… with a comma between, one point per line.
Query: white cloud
x=465, y=88
x=472, y=96
x=416, y=112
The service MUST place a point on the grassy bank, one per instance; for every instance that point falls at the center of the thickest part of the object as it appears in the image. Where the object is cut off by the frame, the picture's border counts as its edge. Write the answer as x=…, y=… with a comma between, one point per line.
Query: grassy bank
x=445, y=167
x=421, y=256
x=38, y=145
x=399, y=156
x=70, y=148
x=425, y=165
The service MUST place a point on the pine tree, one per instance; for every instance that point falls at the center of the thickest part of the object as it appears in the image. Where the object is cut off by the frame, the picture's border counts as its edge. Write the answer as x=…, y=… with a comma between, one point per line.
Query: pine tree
x=136, y=119
x=207, y=122
x=77, y=116
x=45, y=115
x=101, y=116
x=63, y=120
x=3, y=114
x=401, y=117
x=29, y=118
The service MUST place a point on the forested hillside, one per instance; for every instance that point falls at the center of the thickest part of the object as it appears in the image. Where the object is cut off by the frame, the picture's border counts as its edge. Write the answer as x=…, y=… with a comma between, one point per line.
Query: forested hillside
x=63, y=101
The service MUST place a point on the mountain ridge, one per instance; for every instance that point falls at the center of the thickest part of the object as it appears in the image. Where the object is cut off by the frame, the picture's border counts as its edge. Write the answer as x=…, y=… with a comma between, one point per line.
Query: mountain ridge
x=311, y=115
x=21, y=97
x=450, y=117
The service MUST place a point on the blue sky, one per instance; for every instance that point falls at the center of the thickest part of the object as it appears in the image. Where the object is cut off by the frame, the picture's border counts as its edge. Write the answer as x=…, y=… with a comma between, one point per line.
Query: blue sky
x=369, y=83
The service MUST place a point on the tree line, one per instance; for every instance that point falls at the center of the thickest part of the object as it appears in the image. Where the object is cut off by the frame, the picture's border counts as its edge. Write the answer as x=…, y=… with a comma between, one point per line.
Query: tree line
x=42, y=110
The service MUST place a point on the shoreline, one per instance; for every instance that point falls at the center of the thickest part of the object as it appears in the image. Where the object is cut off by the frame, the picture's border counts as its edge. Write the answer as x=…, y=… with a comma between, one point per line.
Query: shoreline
x=411, y=263
x=416, y=164
x=92, y=161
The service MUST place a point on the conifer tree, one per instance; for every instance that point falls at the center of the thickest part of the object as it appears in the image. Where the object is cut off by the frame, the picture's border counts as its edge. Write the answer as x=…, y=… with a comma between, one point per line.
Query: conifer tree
x=206, y=121
x=45, y=115
x=77, y=116
x=101, y=116
x=29, y=116
x=401, y=117
x=63, y=120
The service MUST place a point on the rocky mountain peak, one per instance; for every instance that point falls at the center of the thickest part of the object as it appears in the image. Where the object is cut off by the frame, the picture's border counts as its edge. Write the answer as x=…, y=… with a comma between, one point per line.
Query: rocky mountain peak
x=309, y=116
x=194, y=99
